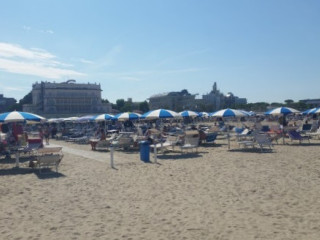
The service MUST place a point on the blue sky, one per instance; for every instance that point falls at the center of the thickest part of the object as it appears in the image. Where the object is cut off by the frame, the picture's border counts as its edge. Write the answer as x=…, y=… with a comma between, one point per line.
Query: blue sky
x=264, y=50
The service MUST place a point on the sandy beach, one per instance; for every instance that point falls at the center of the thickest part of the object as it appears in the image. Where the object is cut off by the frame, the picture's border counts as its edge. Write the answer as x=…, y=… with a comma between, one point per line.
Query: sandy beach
x=214, y=194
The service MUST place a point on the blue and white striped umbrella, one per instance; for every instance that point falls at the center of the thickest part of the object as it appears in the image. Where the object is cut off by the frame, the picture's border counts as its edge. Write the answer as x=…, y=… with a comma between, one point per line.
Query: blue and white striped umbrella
x=160, y=113
x=102, y=117
x=126, y=116
x=203, y=114
x=281, y=110
x=86, y=118
x=16, y=116
x=70, y=119
x=188, y=113
x=228, y=112
x=311, y=111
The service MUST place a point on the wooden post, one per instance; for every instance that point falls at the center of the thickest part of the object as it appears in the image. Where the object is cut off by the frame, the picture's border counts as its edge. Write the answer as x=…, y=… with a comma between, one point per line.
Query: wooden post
x=17, y=159
x=155, y=153
x=111, y=156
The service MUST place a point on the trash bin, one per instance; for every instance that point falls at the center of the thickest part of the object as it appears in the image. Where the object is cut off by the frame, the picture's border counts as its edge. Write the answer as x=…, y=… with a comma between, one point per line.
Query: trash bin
x=144, y=151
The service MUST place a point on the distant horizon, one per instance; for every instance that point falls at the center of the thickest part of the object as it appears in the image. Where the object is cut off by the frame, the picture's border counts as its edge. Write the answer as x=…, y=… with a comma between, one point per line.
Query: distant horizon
x=265, y=51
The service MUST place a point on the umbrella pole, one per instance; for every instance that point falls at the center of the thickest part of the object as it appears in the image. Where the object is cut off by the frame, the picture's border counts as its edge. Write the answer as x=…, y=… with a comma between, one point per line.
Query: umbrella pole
x=17, y=158
x=283, y=129
x=155, y=153
x=228, y=136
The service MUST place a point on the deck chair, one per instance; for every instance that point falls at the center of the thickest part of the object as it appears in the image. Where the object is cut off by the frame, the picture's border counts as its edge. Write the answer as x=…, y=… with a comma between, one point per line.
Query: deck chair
x=211, y=137
x=243, y=135
x=263, y=140
x=171, y=141
x=124, y=142
x=46, y=158
x=294, y=135
x=314, y=134
x=191, y=141
x=306, y=127
x=31, y=147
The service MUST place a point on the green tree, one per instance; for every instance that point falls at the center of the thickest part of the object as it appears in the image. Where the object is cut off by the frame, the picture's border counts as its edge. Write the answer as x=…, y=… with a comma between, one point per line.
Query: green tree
x=289, y=101
x=144, y=106
x=27, y=99
x=120, y=103
x=127, y=107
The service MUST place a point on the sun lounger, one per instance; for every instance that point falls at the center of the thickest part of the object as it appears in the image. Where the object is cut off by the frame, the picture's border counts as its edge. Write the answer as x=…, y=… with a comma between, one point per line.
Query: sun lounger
x=46, y=158
x=246, y=143
x=296, y=136
x=103, y=145
x=244, y=135
x=191, y=141
x=314, y=134
x=171, y=141
x=123, y=141
x=263, y=141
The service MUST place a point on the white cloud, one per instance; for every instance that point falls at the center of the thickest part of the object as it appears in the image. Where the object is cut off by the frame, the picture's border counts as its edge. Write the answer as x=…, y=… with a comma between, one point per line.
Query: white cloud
x=26, y=28
x=34, y=61
x=131, y=79
x=48, y=31
x=85, y=61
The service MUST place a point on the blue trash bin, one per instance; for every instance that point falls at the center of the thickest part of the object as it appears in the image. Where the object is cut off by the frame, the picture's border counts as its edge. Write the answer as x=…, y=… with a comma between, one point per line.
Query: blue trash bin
x=144, y=151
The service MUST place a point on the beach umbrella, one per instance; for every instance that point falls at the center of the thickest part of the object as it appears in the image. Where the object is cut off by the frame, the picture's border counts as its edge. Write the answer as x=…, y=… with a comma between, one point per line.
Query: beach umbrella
x=16, y=116
x=86, y=118
x=55, y=120
x=311, y=111
x=160, y=113
x=228, y=112
x=281, y=110
x=188, y=113
x=126, y=116
x=203, y=114
x=102, y=117
x=70, y=119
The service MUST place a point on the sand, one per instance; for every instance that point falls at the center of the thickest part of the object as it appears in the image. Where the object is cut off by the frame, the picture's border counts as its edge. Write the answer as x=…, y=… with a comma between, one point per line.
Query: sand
x=215, y=194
